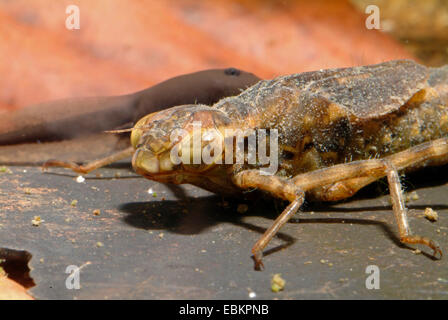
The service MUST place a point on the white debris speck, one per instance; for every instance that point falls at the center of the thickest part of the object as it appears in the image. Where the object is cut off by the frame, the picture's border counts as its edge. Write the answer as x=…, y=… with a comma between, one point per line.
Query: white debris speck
x=431, y=215
x=36, y=221
x=80, y=179
x=252, y=294
x=150, y=191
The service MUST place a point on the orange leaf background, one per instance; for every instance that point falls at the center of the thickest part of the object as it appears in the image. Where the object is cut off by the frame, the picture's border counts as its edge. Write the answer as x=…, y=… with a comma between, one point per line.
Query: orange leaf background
x=124, y=46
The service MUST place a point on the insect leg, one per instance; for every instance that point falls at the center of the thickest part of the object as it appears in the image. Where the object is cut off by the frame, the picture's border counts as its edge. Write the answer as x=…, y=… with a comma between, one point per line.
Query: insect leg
x=350, y=177
x=345, y=179
x=400, y=213
x=279, y=187
x=91, y=165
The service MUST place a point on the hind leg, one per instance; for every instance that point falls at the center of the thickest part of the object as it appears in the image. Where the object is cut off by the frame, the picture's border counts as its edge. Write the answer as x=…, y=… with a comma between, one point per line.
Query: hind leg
x=343, y=180
x=355, y=175
x=400, y=213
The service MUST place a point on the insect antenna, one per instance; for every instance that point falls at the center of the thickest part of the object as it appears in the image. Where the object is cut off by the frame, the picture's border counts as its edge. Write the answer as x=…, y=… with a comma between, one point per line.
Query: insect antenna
x=126, y=130
x=118, y=131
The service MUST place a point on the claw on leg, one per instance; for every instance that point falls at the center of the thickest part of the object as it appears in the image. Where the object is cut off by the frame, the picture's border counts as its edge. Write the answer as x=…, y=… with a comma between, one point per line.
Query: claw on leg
x=415, y=239
x=257, y=256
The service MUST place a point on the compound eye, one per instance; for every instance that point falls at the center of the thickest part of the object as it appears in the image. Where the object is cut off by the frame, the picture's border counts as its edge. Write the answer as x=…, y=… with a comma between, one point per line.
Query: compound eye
x=136, y=134
x=232, y=72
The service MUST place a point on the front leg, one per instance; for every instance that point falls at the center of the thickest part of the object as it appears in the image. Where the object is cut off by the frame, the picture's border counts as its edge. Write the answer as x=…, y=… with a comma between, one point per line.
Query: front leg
x=123, y=154
x=280, y=188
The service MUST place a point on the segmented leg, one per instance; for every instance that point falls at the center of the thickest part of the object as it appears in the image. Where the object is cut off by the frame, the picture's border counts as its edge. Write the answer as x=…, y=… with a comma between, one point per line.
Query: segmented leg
x=280, y=188
x=400, y=213
x=356, y=175
x=91, y=165
x=353, y=172
x=349, y=183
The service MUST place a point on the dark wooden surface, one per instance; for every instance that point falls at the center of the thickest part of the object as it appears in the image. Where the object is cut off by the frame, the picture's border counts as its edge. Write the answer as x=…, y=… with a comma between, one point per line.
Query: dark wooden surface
x=184, y=244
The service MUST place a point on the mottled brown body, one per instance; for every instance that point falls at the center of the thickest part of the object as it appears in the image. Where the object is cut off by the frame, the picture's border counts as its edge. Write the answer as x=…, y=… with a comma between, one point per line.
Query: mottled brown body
x=338, y=131
x=336, y=116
